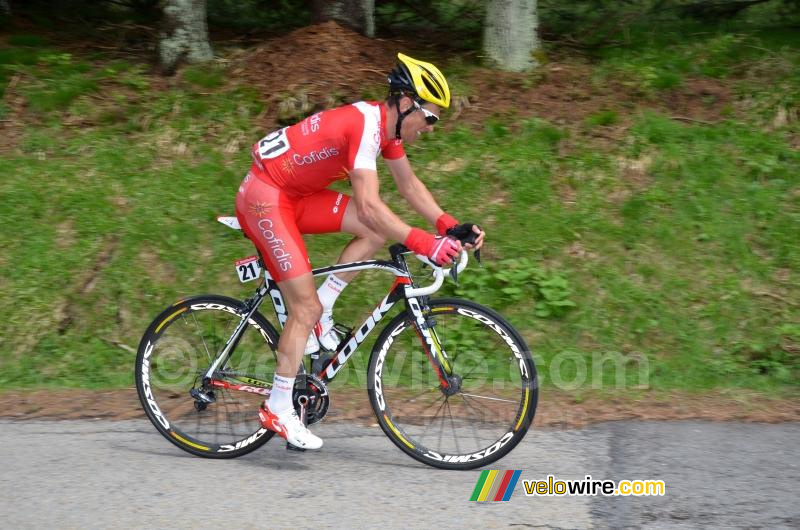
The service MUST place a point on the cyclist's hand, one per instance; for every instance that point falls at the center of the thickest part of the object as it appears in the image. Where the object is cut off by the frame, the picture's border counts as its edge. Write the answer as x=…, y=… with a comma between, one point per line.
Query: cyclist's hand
x=445, y=249
x=469, y=234
x=440, y=250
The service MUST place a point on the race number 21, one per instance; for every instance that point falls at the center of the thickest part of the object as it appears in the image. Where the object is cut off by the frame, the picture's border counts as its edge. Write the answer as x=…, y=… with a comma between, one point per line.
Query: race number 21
x=248, y=269
x=274, y=144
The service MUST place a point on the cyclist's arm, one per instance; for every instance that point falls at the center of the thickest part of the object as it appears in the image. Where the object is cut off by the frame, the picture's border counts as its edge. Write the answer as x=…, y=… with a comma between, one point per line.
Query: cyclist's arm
x=416, y=193
x=413, y=190
x=371, y=210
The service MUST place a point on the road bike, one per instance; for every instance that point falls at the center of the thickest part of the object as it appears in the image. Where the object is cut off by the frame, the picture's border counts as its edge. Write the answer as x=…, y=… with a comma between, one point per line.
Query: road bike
x=451, y=382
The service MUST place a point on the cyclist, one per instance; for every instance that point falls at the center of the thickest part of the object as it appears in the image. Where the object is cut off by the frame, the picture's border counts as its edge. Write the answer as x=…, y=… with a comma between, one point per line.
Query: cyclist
x=285, y=195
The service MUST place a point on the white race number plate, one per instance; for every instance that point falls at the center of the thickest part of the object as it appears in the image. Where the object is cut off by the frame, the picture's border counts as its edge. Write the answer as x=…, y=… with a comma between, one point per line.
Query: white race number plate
x=248, y=269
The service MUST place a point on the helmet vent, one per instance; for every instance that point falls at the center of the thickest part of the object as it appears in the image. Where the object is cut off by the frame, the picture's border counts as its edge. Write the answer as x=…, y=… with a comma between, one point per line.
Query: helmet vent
x=430, y=86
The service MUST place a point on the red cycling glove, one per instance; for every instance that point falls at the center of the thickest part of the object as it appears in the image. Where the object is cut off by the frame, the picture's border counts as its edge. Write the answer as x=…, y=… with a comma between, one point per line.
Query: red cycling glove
x=444, y=223
x=440, y=250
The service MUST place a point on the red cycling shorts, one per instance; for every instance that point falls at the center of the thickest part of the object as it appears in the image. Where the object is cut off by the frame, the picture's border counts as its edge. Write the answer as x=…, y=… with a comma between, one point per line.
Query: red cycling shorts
x=274, y=220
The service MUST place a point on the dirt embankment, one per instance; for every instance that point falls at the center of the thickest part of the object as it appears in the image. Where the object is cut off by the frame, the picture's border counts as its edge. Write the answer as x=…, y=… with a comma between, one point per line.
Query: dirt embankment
x=556, y=409
x=325, y=65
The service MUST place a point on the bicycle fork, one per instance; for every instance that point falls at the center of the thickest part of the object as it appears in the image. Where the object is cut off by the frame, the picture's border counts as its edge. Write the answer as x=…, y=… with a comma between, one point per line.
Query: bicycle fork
x=437, y=356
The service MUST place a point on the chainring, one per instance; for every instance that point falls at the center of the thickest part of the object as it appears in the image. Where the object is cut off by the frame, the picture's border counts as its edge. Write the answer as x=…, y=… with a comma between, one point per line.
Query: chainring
x=317, y=393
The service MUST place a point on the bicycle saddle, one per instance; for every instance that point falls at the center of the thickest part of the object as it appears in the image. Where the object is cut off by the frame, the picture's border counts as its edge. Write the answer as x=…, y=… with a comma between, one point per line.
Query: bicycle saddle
x=230, y=222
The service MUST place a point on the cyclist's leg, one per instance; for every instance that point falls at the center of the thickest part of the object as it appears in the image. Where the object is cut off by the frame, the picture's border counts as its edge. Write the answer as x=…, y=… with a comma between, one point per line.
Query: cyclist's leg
x=300, y=297
x=363, y=246
x=267, y=216
x=329, y=211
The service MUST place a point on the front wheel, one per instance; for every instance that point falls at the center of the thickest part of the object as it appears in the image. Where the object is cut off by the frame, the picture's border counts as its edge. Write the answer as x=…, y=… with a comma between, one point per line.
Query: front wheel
x=492, y=399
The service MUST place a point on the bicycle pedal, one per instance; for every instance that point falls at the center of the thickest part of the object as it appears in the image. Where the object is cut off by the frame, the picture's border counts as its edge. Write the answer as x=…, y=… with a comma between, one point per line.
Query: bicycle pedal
x=290, y=447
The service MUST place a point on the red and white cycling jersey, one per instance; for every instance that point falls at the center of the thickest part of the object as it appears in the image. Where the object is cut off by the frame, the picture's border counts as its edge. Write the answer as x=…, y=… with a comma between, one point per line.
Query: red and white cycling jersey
x=308, y=156
x=284, y=195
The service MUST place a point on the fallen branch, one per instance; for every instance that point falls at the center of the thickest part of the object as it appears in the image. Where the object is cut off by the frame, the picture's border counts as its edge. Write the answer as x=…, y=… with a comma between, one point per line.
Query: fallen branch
x=686, y=118
x=371, y=70
x=776, y=297
x=119, y=345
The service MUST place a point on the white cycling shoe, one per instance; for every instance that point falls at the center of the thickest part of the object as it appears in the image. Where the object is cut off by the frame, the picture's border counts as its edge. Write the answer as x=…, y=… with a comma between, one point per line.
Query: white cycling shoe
x=323, y=336
x=288, y=426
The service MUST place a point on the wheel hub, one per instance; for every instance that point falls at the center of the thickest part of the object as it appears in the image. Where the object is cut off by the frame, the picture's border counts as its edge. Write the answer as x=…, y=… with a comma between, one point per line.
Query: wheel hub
x=453, y=385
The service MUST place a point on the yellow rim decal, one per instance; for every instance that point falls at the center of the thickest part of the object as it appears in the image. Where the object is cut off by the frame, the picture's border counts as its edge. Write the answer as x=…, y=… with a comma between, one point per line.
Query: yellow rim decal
x=173, y=315
x=441, y=309
x=524, y=410
x=394, y=430
x=187, y=442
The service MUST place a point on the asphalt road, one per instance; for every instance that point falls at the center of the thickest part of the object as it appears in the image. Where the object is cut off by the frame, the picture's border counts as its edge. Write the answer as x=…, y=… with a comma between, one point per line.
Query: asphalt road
x=100, y=474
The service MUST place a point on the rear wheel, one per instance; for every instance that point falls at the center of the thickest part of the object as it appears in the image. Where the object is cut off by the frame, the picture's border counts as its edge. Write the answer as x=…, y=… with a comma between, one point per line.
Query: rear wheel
x=206, y=418
x=492, y=399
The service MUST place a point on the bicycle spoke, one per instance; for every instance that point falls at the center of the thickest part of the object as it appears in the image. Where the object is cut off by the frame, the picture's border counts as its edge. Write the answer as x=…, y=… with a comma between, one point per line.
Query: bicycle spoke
x=434, y=418
x=491, y=398
x=474, y=433
x=441, y=429
x=469, y=373
x=453, y=425
x=202, y=338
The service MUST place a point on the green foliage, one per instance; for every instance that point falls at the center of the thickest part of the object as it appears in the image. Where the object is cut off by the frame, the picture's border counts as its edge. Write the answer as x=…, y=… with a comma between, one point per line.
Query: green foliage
x=73, y=80
x=204, y=77
x=602, y=118
x=128, y=75
x=501, y=284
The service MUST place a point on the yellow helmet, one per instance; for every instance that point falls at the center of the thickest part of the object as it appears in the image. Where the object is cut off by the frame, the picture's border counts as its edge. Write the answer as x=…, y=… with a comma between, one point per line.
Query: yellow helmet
x=421, y=78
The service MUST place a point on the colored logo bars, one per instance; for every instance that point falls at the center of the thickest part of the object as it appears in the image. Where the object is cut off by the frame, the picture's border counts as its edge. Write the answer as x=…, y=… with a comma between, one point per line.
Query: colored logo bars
x=495, y=485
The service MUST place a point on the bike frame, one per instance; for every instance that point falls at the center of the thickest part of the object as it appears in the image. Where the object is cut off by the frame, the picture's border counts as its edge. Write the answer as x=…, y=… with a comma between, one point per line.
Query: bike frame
x=402, y=289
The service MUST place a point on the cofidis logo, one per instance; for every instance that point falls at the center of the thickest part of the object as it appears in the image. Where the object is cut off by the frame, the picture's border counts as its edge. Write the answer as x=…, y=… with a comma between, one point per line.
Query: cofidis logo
x=495, y=485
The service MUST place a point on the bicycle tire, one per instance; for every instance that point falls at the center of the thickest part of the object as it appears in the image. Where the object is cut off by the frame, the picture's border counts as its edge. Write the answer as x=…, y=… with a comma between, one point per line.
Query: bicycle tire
x=173, y=354
x=468, y=333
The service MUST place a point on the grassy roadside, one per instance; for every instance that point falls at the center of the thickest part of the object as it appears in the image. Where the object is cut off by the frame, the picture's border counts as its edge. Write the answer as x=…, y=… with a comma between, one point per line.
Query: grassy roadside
x=670, y=251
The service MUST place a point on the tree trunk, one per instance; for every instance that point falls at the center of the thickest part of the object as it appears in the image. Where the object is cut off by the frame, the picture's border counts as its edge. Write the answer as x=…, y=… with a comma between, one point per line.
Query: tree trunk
x=509, y=34
x=184, y=35
x=358, y=15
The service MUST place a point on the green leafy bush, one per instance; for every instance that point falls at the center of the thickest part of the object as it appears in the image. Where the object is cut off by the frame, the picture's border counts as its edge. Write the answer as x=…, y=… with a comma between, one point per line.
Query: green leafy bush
x=501, y=284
